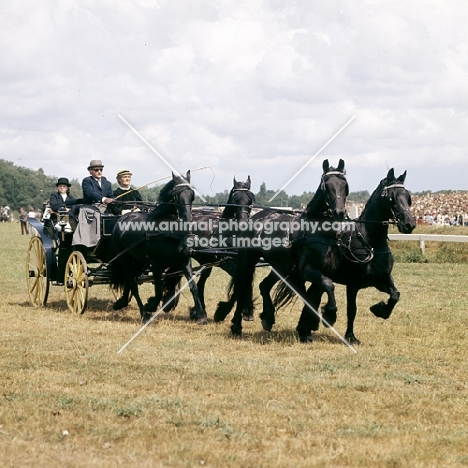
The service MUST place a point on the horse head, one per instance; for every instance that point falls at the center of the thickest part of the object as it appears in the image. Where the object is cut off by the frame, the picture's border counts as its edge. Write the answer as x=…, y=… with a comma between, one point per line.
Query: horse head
x=397, y=201
x=330, y=197
x=240, y=201
x=177, y=197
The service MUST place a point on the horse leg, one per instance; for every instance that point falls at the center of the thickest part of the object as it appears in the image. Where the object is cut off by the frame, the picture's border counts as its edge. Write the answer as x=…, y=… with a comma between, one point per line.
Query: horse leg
x=204, y=275
x=351, y=309
x=224, y=307
x=153, y=302
x=268, y=314
x=243, y=288
x=134, y=290
x=382, y=309
x=123, y=300
x=314, y=296
x=199, y=314
x=308, y=320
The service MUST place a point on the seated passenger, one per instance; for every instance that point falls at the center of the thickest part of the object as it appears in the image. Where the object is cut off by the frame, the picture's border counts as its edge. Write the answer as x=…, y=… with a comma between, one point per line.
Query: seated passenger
x=61, y=201
x=125, y=193
x=97, y=193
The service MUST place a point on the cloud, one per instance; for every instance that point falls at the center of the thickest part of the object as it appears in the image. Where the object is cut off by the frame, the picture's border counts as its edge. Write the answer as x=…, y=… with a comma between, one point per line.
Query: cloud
x=245, y=87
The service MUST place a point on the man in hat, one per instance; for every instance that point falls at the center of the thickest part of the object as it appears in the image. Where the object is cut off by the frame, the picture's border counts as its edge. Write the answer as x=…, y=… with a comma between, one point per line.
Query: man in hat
x=97, y=192
x=96, y=188
x=125, y=193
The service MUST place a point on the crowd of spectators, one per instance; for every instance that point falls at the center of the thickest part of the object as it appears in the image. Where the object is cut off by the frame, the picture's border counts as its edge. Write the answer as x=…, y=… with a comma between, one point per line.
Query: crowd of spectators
x=442, y=209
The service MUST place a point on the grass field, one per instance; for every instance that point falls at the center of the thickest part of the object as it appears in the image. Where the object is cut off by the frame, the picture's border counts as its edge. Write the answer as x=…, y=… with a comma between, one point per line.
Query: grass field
x=183, y=395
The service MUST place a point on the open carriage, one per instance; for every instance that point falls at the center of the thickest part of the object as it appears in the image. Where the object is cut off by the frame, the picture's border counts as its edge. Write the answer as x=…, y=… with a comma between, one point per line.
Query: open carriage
x=53, y=261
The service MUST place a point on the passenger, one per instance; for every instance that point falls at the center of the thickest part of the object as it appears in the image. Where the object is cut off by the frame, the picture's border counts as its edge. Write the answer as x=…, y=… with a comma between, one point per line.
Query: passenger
x=61, y=201
x=125, y=193
x=97, y=194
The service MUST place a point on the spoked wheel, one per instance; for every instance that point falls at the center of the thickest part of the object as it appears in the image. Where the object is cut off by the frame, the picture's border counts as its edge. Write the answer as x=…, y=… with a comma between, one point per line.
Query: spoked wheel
x=36, y=273
x=76, y=283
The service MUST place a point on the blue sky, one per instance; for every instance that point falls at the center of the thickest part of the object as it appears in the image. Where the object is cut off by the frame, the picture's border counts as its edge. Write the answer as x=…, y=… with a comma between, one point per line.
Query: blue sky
x=245, y=87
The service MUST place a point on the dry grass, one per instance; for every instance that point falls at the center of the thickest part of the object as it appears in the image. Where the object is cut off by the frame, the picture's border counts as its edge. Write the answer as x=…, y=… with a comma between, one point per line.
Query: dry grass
x=182, y=395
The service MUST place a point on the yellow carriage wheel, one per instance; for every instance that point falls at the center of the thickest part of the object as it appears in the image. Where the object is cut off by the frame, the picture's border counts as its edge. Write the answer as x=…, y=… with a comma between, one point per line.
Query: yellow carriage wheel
x=76, y=283
x=36, y=273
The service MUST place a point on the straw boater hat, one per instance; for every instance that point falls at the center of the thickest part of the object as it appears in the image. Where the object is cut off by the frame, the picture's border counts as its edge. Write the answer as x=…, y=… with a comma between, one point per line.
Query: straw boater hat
x=62, y=181
x=94, y=163
x=123, y=172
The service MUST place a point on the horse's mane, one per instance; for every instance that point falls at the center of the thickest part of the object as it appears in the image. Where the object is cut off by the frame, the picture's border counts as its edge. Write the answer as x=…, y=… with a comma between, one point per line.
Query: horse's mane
x=375, y=194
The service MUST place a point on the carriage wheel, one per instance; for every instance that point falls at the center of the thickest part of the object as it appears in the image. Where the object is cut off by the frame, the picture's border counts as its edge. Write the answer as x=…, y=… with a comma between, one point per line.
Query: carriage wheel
x=36, y=273
x=76, y=283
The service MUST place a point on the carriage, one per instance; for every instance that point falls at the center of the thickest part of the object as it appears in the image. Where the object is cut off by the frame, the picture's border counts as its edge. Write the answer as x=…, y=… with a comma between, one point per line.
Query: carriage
x=53, y=261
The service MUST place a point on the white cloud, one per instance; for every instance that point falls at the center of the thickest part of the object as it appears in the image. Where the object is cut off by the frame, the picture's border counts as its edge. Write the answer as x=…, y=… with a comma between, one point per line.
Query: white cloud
x=247, y=87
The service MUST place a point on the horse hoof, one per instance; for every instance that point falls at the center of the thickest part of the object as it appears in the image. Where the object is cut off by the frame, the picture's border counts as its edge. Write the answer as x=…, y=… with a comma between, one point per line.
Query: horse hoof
x=351, y=339
x=218, y=318
x=222, y=311
x=236, y=330
x=329, y=316
x=248, y=318
x=145, y=318
x=151, y=305
x=306, y=339
x=120, y=304
x=381, y=310
x=202, y=321
x=267, y=326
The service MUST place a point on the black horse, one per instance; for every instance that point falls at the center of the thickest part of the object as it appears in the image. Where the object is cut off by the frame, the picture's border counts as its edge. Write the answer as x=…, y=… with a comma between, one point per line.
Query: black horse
x=217, y=243
x=359, y=258
x=275, y=230
x=156, y=245
x=211, y=244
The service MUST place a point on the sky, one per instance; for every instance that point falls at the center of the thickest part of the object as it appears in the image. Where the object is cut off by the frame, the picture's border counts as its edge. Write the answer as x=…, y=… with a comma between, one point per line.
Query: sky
x=240, y=87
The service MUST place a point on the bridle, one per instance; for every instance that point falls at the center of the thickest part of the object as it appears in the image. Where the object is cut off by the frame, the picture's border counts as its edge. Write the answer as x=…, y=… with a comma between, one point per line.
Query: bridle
x=241, y=208
x=323, y=188
x=175, y=192
x=385, y=193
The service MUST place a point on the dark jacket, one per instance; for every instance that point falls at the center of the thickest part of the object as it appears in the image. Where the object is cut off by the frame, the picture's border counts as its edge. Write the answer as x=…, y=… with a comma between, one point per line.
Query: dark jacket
x=93, y=192
x=125, y=196
x=56, y=201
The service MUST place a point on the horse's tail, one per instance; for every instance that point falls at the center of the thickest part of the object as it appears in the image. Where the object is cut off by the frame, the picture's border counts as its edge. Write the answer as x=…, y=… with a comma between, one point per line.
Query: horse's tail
x=118, y=277
x=224, y=307
x=284, y=293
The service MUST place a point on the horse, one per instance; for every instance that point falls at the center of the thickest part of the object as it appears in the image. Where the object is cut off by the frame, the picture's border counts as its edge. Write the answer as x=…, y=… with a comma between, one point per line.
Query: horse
x=211, y=244
x=156, y=246
x=275, y=232
x=238, y=207
x=359, y=258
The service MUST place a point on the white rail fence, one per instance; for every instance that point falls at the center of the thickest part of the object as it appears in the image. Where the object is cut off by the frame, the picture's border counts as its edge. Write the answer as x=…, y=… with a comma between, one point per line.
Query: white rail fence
x=423, y=238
